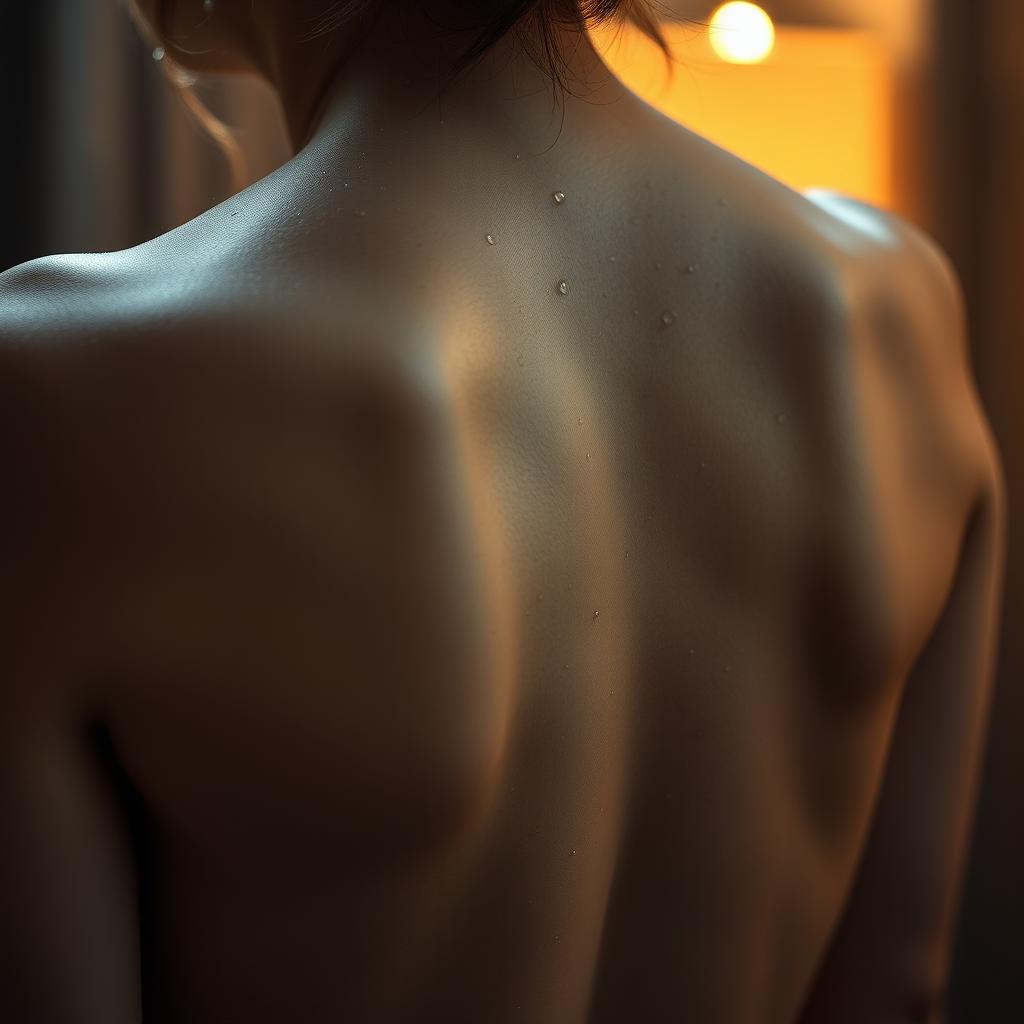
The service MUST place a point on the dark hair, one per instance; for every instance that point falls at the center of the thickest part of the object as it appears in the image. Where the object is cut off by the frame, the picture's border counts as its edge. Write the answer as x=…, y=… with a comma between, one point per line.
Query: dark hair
x=533, y=23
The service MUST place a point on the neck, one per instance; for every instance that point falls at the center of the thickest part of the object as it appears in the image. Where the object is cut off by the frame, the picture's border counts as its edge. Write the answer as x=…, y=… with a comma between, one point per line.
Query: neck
x=393, y=67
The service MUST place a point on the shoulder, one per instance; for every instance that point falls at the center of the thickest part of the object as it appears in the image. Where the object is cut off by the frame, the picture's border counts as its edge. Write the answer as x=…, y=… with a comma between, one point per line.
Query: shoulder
x=905, y=297
x=46, y=323
x=887, y=258
x=41, y=313
x=115, y=349
x=910, y=346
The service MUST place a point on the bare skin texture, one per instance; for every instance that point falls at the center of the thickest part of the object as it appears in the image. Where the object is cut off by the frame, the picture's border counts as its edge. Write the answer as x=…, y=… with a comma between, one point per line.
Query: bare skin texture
x=390, y=637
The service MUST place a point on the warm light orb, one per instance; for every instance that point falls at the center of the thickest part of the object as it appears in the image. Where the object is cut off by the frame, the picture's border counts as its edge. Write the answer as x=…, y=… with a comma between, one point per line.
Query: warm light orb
x=742, y=33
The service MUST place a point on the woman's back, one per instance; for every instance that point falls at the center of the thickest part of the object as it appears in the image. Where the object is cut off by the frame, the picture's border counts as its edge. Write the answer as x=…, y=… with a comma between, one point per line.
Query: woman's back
x=498, y=596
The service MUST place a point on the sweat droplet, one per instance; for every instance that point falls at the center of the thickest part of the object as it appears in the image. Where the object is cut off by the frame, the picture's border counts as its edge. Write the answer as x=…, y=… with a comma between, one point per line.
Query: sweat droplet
x=691, y=269
x=490, y=239
x=559, y=197
x=563, y=287
x=668, y=318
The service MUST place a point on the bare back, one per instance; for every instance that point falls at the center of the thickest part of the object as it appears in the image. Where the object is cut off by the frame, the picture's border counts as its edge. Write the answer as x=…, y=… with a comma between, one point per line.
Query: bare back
x=504, y=614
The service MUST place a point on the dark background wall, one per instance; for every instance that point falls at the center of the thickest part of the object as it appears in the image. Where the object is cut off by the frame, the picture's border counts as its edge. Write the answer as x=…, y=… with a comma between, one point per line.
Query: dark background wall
x=21, y=75
x=99, y=155
x=978, y=102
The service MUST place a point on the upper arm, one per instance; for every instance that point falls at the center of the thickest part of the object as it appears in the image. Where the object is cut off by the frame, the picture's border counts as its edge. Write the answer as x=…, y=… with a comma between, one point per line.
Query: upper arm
x=888, y=960
x=68, y=948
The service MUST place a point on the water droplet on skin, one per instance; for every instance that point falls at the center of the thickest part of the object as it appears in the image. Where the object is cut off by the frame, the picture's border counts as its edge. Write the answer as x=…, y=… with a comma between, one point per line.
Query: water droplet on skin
x=516, y=156
x=360, y=213
x=563, y=287
x=559, y=197
x=572, y=853
x=611, y=259
x=490, y=239
x=159, y=53
x=691, y=269
x=346, y=184
x=579, y=420
x=668, y=318
x=596, y=613
x=588, y=456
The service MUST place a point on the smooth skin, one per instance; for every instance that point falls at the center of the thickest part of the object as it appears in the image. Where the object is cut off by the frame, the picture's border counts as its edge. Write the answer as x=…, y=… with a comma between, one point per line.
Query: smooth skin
x=391, y=637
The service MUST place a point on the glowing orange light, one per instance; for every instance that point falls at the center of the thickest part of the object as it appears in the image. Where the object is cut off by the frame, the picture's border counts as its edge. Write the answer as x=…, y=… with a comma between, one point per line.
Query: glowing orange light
x=819, y=114
x=742, y=33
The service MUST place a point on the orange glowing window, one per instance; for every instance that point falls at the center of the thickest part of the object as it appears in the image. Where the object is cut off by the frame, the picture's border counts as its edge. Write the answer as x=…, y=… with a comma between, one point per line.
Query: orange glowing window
x=816, y=112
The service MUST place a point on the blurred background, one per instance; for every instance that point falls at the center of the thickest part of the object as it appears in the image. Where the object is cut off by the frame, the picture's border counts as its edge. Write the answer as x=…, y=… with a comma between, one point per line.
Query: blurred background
x=916, y=105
